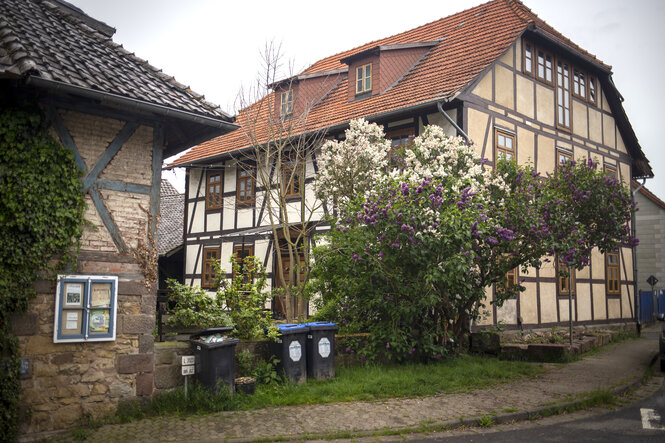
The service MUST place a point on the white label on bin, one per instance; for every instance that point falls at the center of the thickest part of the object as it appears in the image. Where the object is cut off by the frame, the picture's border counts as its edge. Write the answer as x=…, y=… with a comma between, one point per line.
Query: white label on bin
x=295, y=351
x=188, y=370
x=324, y=347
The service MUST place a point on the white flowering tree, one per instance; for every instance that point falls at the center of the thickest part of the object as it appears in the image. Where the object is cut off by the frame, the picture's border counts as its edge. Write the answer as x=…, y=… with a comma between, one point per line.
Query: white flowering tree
x=417, y=241
x=353, y=166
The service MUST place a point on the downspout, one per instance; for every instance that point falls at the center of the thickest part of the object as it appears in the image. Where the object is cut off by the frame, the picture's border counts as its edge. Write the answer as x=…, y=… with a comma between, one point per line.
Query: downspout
x=638, y=300
x=466, y=138
x=452, y=122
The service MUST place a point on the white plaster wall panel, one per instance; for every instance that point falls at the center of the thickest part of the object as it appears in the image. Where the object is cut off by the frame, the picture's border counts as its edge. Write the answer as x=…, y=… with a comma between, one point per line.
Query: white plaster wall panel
x=315, y=207
x=627, y=301
x=228, y=213
x=546, y=155
x=608, y=131
x=580, y=153
x=309, y=167
x=518, y=53
x=191, y=251
x=196, y=213
x=245, y=218
x=621, y=146
x=194, y=178
x=529, y=303
x=597, y=264
x=225, y=255
x=508, y=312
x=260, y=247
x=477, y=127
x=312, y=305
x=627, y=263
x=504, y=90
x=580, y=120
x=213, y=222
x=484, y=87
x=548, y=302
x=582, y=273
x=548, y=269
x=563, y=309
x=603, y=101
x=613, y=308
x=507, y=57
x=525, y=96
x=486, y=313
x=624, y=170
x=599, y=307
x=544, y=104
x=293, y=211
x=525, y=146
x=595, y=125
x=230, y=177
x=583, y=301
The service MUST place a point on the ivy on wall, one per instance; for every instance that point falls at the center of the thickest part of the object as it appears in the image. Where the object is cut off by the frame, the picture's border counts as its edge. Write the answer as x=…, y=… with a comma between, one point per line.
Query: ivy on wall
x=41, y=221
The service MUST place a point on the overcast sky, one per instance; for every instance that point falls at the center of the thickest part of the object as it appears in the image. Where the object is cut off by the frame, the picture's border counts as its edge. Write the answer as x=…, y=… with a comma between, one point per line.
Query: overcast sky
x=215, y=46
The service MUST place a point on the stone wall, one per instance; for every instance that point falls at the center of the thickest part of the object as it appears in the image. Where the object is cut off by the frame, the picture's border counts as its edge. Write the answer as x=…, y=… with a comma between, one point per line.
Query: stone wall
x=68, y=381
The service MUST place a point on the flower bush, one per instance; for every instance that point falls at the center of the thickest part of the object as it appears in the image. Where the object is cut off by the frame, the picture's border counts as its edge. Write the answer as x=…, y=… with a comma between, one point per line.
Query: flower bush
x=411, y=252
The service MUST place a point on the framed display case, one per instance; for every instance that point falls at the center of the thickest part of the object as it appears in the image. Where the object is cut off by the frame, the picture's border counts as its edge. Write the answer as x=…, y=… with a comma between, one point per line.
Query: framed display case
x=85, y=308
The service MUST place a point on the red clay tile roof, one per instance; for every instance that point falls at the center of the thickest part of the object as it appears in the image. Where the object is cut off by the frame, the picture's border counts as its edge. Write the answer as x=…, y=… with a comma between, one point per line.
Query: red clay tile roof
x=470, y=41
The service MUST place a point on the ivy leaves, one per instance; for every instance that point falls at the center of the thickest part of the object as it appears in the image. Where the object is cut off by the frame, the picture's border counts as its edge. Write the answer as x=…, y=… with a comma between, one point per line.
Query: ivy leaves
x=41, y=217
x=41, y=203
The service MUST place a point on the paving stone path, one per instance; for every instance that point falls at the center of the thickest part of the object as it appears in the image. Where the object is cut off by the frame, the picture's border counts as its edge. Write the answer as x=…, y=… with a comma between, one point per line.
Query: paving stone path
x=613, y=367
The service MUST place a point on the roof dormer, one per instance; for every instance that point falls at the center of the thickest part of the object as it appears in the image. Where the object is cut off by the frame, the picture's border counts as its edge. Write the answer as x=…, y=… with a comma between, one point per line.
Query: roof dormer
x=296, y=94
x=375, y=70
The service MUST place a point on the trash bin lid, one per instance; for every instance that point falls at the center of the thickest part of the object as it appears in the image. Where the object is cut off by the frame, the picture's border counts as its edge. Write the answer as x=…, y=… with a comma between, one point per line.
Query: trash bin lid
x=212, y=331
x=322, y=325
x=292, y=329
x=227, y=342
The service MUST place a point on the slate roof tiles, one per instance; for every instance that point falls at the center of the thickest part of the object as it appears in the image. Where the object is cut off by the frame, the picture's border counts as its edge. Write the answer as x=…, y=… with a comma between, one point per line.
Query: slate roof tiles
x=56, y=41
x=171, y=210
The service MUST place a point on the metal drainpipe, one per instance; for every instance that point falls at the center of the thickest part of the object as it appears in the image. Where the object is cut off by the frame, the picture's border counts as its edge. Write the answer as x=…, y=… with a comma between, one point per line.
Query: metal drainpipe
x=459, y=130
x=466, y=138
x=638, y=302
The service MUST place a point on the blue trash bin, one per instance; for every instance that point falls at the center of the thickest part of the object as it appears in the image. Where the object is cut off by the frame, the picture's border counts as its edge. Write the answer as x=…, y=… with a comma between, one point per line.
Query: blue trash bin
x=291, y=350
x=321, y=350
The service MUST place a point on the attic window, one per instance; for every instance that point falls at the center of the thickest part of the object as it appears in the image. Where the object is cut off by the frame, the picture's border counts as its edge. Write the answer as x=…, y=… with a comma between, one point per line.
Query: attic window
x=544, y=68
x=286, y=107
x=364, y=79
x=528, y=58
x=593, y=99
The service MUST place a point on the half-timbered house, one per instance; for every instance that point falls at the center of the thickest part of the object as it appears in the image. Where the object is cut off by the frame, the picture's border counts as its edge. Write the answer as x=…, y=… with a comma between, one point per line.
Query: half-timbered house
x=86, y=339
x=496, y=73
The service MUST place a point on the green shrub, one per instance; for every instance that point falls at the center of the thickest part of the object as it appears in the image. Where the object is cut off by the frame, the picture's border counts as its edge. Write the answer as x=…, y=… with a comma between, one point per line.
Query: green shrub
x=195, y=308
x=245, y=297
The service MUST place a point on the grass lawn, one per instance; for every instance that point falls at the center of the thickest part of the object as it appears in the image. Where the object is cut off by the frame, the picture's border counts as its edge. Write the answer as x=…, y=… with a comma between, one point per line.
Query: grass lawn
x=371, y=382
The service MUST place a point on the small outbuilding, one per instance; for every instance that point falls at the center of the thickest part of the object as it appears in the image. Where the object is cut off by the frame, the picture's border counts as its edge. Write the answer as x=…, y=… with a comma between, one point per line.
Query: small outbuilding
x=87, y=338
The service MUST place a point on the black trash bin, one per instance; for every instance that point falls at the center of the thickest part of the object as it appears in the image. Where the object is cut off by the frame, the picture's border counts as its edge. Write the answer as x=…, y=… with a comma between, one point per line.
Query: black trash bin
x=321, y=350
x=290, y=349
x=215, y=359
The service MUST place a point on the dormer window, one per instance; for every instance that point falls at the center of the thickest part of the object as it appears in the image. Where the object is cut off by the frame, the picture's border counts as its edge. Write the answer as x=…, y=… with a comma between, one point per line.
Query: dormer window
x=286, y=107
x=364, y=79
